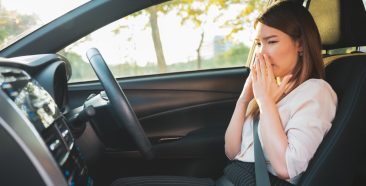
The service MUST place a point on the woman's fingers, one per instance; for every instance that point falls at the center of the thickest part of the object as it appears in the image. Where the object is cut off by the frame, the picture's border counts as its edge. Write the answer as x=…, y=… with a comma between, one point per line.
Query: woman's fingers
x=253, y=72
x=284, y=82
x=253, y=62
x=270, y=74
x=258, y=67
x=264, y=80
x=263, y=66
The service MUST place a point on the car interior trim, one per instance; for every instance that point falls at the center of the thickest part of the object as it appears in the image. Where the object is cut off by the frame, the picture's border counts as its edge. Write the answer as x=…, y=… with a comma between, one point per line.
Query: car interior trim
x=33, y=146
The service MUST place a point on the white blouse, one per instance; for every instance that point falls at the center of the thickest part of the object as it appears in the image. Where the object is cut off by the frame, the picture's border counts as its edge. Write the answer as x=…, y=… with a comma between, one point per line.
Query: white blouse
x=306, y=114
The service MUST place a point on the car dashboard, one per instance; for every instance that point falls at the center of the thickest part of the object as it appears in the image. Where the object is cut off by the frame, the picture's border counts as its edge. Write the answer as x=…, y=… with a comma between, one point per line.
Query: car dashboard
x=39, y=148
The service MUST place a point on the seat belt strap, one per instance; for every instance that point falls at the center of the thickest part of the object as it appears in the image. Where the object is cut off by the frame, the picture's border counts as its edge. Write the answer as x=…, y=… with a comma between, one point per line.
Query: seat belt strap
x=261, y=173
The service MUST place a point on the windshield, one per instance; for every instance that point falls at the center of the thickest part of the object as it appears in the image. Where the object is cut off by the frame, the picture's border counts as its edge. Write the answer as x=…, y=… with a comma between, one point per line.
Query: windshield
x=18, y=18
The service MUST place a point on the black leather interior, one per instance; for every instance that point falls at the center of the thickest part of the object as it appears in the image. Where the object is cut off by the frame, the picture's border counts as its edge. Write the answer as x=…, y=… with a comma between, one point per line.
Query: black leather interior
x=340, y=153
x=350, y=27
x=185, y=116
x=163, y=180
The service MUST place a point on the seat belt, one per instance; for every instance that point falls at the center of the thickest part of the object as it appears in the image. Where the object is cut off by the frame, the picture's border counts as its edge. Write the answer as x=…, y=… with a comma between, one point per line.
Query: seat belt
x=261, y=173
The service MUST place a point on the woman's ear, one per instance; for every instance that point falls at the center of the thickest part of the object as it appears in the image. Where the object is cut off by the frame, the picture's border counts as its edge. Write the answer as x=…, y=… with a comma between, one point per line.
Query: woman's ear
x=299, y=47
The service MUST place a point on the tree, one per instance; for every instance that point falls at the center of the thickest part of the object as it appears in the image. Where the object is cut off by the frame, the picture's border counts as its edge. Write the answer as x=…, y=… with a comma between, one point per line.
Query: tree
x=153, y=18
x=198, y=16
x=153, y=13
x=12, y=24
x=196, y=12
x=246, y=16
x=83, y=70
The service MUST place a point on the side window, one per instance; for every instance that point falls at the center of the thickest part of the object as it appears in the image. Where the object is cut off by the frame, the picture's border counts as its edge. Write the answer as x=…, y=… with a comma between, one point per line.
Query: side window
x=344, y=50
x=172, y=37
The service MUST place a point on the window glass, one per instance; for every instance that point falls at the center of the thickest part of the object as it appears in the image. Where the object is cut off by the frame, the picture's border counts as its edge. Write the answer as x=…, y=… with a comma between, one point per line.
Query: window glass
x=340, y=51
x=363, y=49
x=172, y=37
x=18, y=18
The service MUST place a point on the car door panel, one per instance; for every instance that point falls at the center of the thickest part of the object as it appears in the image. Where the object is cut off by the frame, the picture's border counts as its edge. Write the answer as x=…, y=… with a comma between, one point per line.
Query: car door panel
x=185, y=115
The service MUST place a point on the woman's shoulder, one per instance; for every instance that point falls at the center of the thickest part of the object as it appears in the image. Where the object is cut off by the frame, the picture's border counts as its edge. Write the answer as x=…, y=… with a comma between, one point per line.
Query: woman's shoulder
x=315, y=88
x=315, y=85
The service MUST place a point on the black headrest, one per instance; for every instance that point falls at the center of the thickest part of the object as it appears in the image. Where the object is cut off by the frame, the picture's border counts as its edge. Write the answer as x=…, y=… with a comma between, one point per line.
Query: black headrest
x=343, y=70
x=341, y=23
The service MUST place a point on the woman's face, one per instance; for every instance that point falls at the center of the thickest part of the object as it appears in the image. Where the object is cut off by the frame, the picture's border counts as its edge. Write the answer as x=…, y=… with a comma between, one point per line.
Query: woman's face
x=281, y=49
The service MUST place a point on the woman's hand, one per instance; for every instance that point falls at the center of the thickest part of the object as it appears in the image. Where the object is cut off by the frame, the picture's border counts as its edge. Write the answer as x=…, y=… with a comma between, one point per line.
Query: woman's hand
x=265, y=87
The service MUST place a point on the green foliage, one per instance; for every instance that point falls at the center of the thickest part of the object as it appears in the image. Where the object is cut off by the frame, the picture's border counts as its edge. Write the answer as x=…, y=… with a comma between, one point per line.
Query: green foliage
x=194, y=13
x=12, y=24
x=235, y=56
x=245, y=18
x=81, y=70
x=341, y=50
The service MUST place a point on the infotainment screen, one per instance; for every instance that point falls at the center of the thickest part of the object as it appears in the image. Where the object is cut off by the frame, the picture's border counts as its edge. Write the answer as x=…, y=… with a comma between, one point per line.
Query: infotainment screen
x=30, y=97
x=37, y=104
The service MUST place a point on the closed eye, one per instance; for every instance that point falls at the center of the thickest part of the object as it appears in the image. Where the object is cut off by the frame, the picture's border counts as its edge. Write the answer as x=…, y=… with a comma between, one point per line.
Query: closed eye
x=272, y=42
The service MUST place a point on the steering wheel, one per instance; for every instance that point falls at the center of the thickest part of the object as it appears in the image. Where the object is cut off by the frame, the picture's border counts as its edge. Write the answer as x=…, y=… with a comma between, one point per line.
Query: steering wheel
x=121, y=108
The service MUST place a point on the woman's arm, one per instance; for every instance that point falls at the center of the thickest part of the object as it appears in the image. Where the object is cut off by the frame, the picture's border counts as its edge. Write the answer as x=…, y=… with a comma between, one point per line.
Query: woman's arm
x=233, y=133
x=234, y=130
x=267, y=92
x=273, y=136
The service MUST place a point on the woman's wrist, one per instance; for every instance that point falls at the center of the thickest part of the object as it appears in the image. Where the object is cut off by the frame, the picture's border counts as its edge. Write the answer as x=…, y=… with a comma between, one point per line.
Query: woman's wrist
x=242, y=102
x=265, y=103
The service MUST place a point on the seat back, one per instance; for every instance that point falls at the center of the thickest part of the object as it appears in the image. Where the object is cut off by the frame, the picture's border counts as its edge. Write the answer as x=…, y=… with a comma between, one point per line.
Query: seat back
x=337, y=158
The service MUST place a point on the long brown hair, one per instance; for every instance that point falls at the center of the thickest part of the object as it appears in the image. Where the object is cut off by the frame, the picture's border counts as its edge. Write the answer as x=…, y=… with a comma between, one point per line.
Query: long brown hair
x=296, y=21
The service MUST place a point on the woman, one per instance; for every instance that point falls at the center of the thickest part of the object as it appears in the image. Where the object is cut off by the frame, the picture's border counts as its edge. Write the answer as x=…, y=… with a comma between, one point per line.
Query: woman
x=286, y=91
